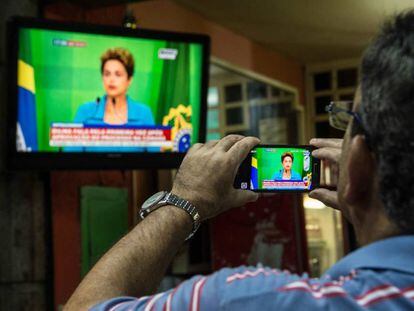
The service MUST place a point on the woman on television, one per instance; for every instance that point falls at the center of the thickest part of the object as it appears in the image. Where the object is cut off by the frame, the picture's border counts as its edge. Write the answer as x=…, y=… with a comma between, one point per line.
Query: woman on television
x=286, y=173
x=115, y=107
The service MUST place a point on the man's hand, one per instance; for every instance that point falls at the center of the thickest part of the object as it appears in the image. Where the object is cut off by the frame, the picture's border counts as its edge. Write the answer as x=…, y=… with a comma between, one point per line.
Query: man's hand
x=206, y=176
x=329, y=149
x=137, y=263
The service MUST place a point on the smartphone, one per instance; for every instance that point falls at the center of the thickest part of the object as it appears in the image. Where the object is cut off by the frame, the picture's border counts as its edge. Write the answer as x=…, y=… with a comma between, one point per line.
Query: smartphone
x=276, y=168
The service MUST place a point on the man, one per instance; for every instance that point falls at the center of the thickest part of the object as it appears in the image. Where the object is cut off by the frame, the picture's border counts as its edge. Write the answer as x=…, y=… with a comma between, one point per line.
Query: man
x=374, y=192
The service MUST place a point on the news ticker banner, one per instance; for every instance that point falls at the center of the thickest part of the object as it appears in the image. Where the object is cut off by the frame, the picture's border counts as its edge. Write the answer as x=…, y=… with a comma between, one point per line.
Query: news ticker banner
x=80, y=135
x=271, y=184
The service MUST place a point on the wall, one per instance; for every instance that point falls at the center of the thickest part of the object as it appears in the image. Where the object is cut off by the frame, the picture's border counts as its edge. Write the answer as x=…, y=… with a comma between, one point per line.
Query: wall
x=225, y=44
x=25, y=270
x=65, y=11
x=65, y=200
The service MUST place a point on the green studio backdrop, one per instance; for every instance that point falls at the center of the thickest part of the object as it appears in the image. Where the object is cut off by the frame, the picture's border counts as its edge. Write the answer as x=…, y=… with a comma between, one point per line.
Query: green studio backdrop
x=66, y=77
x=270, y=162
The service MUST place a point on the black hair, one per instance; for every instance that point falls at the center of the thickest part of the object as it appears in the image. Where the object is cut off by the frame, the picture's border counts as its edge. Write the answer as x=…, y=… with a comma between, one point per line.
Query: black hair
x=287, y=154
x=122, y=55
x=387, y=113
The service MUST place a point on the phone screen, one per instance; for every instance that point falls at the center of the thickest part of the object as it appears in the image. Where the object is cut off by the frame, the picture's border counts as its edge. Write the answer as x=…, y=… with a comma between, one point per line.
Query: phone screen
x=273, y=168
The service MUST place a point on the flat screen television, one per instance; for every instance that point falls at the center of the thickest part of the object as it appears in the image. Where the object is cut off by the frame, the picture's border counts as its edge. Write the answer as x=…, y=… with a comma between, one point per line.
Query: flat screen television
x=99, y=97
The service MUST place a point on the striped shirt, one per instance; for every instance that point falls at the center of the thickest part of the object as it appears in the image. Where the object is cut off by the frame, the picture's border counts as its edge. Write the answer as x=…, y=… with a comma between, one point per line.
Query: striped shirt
x=379, y=276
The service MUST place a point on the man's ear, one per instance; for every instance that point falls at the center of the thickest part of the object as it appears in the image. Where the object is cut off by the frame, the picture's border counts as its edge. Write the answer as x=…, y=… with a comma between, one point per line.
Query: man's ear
x=361, y=171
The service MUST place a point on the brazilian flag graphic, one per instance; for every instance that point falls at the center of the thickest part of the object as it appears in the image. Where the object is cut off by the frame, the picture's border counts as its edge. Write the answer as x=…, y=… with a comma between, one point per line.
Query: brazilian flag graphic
x=254, y=178
x=26, y=115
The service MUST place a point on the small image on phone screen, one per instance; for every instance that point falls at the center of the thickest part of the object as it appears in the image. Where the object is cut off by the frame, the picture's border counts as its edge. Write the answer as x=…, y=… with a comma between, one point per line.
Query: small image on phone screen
x=279, y=168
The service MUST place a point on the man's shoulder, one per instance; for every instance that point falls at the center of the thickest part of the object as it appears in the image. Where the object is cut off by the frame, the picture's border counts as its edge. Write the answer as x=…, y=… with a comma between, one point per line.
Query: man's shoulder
x=271, y=288
x=256, y=282
x=255, y=288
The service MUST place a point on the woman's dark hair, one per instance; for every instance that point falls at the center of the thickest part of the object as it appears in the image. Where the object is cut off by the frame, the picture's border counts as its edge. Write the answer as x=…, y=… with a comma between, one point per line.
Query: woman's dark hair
x=287, y=154
x=387, y=112
x=122, y=55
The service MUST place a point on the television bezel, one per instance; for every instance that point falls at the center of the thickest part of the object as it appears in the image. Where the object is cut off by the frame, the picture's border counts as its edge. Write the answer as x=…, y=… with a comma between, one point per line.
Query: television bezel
x=93, y=160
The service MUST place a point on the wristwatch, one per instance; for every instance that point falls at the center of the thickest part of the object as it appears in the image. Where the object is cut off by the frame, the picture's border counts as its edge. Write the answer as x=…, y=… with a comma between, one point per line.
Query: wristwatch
x=163, y=198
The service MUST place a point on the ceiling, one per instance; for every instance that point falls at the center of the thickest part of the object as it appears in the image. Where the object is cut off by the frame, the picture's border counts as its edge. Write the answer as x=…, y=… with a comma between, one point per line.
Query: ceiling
x=306, y=30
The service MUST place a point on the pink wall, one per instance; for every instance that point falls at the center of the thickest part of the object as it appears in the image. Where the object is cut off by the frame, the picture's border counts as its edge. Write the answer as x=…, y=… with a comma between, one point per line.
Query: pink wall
x=225, y=44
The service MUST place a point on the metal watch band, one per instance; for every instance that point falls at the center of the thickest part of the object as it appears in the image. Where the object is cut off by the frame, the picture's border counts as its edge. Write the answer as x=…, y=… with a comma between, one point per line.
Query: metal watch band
x=188, y=207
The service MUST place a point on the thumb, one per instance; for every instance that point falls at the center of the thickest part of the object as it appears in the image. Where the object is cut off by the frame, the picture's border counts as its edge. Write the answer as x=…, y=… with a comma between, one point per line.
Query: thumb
x=242, y=197
x=327, y=197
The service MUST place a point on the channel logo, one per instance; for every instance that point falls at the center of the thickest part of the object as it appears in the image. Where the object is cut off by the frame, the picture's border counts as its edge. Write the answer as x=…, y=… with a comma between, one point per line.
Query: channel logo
x=170, y=54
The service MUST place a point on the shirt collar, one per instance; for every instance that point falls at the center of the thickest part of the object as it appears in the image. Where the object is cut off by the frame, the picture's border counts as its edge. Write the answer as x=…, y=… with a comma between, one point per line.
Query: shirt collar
x=396, y=253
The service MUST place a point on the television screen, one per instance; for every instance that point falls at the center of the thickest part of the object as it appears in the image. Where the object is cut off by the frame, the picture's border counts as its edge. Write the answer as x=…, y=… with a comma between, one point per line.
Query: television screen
x=278, y=168
x=103, y=97
x=275, y=168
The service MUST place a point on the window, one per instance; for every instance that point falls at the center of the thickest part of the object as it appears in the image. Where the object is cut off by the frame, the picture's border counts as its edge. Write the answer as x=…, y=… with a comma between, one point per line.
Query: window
x=347, y=77
x=323, y=129
x=322, y=81
x=213, y=119
x=346, y=96
x=234, y=116
x=256, y=90
x=321, y=102
x=233, y=93
x=325, y=83
x=251, y=106
x=213, y=97
x=324, y=226
x=213, y=136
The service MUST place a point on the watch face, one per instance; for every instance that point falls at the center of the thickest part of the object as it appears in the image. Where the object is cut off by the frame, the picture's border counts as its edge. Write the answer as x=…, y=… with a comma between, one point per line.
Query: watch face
x=154, y=199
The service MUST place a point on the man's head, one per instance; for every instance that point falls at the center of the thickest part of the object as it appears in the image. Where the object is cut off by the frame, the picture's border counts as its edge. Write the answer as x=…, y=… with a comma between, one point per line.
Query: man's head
x=378, y=153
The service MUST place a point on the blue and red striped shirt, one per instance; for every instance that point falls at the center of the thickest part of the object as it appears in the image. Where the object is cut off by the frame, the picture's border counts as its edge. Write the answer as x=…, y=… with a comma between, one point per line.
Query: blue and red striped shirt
x=379, y=276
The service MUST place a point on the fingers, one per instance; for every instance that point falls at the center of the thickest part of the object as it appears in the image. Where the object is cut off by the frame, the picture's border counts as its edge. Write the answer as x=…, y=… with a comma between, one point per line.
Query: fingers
x=195, y=147
x=211, y=144
x=326, y=142
x=242, y=197
x=241, y=149
x=208, y=145
x=327, y=197
x=227, y=142
x=327, y=153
